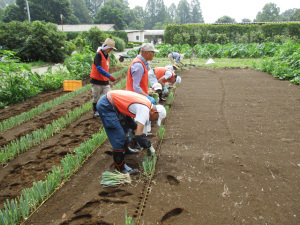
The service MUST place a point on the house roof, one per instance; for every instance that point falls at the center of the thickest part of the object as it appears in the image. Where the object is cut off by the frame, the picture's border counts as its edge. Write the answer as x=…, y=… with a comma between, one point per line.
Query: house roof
x=86, y=27
x=154, y=32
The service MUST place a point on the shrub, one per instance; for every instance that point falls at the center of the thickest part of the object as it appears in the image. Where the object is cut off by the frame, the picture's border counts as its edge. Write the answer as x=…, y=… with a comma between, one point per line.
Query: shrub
x=120, y=44
x=37, y=41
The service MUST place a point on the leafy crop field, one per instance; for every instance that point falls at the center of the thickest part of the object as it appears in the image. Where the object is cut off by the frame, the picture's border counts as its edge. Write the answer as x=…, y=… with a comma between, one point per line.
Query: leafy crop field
x=227, y=153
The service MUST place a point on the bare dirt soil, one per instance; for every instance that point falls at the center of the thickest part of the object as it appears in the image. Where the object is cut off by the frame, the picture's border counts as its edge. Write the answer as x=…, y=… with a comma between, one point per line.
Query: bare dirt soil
x=230, y=155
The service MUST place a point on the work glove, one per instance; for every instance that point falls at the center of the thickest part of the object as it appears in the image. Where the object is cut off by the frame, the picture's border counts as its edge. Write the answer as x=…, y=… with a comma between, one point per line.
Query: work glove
x=165, y=90
x=151, y=99
x=112, y=78
x=151, y=151
x=143, y=141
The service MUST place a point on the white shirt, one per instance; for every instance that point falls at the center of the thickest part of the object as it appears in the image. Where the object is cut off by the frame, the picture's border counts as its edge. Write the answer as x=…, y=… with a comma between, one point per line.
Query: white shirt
x=141, y=112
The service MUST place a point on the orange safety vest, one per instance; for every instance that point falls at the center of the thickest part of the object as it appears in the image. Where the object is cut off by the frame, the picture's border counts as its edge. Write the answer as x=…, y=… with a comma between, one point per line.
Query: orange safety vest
x=121, y=100
x=160, y=72
x=104, y=64
x=144, y=80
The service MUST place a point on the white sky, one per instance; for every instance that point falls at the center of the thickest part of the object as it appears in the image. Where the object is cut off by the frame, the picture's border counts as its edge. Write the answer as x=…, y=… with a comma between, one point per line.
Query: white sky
x=237, y=9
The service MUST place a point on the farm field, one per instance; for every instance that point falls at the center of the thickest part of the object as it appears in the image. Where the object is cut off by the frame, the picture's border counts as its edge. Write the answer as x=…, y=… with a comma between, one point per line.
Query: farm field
x=230, y=155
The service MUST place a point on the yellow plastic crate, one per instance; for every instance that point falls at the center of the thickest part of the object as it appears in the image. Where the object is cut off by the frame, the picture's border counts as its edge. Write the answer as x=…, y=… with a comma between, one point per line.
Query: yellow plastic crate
x=71, y=85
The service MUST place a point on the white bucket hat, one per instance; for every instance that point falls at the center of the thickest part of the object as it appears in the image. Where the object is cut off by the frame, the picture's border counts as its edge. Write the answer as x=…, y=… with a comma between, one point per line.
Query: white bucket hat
x=157, y=86
x=162, y=113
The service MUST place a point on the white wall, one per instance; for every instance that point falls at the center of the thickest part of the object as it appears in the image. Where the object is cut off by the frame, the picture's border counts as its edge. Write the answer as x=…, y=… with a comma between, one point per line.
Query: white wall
x=132, y=36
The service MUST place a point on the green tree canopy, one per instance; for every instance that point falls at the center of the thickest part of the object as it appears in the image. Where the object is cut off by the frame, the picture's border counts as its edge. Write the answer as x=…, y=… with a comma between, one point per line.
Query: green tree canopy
x=81, y=11
x=109, y=15
x=183, y=12
x=225, y=19
x=246, y=20
x=286, y=15
x=196, y=12
x=133, y=20
x=172, y=11
x=94, y=6
x=155, y=11
x=296, y=16
x=4, y=3
x=269, y=13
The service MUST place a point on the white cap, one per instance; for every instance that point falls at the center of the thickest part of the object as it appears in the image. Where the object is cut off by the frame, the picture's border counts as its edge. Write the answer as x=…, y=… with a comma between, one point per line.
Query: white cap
x=157, y=86
x=178, y=80
x=148, y=47
x=162, y=113
x=181, y=56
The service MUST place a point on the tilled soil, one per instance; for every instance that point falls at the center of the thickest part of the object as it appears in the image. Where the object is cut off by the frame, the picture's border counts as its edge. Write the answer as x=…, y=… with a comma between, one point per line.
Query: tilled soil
x=230, y=155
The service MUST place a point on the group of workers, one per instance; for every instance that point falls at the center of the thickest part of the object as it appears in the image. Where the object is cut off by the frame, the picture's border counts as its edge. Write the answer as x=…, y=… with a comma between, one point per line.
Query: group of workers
x=125, y=112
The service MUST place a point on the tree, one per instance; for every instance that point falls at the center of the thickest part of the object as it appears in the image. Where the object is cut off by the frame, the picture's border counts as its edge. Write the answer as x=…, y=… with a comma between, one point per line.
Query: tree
x=246, y=20
x=183, y=12
x=109, y=15
x=4, y=3
x=94, y=6
x=296, y=16
x=225, y=19
x=270, y=12
x=286, y=15
x=49, y=10
x=13, y=12
x=81, y=11
x=133, y=20
x=172, y=11
x=196, y=13
x=155, y=11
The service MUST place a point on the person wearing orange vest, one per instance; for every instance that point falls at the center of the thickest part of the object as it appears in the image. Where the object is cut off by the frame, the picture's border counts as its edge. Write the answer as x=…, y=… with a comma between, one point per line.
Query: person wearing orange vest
x=116, y=109
x=100, y=75
x=137, y=75
x=163, y=75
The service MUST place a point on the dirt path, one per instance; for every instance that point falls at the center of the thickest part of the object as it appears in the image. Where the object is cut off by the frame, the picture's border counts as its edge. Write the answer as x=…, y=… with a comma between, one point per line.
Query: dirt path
x=230, y=156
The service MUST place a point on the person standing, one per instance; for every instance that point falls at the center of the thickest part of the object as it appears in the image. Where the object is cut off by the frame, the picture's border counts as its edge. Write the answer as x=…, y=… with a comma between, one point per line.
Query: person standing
x=117, y=108
x=100, y=75
x=137, y=76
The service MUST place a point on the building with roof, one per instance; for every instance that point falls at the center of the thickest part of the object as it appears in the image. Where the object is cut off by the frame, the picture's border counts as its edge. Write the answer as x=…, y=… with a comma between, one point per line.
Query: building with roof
x=86, y=27
x=153, y=36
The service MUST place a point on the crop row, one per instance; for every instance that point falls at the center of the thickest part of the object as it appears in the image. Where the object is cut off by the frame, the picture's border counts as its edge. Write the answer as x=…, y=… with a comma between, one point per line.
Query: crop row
x=26, y=116
x=20, y=208
x=27, y=203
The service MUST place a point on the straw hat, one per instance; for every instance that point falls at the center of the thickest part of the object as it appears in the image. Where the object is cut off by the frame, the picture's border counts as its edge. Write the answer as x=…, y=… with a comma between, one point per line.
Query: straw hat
x=110, y=42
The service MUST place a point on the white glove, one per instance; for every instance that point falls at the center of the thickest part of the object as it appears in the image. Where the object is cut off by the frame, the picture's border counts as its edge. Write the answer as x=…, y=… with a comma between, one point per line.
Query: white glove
x=152, y=150
x=166, y=91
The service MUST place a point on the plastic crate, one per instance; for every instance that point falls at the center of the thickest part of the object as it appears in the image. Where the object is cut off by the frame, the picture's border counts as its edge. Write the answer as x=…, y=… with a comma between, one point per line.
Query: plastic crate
x=71, y=85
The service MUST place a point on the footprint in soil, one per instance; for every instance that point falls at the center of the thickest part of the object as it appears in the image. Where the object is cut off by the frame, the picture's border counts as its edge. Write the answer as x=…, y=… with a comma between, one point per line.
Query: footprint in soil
x=171, y=214
x=172, y=180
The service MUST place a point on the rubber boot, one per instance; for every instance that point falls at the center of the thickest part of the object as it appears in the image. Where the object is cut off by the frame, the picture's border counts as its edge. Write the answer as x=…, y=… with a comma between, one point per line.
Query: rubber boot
x=119, y=161
x=95, y=109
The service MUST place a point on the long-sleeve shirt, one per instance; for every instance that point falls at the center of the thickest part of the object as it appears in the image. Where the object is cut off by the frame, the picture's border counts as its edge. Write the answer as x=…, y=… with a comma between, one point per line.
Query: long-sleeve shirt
x=97, y=62
x=137, y=72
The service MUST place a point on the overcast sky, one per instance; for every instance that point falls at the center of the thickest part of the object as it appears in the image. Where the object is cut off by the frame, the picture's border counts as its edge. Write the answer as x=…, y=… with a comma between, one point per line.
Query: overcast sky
x=237, y=9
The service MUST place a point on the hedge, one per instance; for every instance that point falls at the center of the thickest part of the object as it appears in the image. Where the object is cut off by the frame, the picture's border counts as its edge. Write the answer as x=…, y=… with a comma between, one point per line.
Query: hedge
x=193, y=34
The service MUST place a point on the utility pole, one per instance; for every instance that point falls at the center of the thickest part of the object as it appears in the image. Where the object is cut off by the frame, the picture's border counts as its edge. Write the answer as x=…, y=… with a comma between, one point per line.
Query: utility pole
x=28, y=12
x=61, y=18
